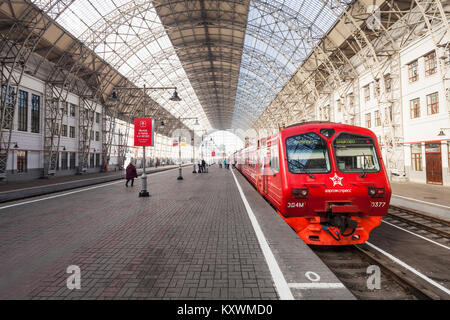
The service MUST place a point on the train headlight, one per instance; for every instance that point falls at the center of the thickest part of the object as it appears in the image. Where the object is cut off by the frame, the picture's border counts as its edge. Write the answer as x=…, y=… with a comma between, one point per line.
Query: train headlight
x=377, y=192
x=300, y=193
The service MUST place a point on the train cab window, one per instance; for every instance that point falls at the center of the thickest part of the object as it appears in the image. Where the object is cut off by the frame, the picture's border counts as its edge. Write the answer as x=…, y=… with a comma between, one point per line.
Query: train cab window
x=274, y=161
x=307, y=153
x=356, y=153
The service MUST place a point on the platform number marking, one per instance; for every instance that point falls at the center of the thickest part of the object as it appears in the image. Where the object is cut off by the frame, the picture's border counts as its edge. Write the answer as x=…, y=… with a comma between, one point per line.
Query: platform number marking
x=374, y=280
x=74, y=280
x=312, y=276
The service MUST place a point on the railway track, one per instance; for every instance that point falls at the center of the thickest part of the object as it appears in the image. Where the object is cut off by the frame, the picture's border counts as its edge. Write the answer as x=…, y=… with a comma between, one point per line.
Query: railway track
x=421, y=221
x=350, y=265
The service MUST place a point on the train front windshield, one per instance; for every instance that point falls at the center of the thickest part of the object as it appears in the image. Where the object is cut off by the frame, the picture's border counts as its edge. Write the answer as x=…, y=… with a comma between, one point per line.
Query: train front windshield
x=307, y=153
x=355, y=153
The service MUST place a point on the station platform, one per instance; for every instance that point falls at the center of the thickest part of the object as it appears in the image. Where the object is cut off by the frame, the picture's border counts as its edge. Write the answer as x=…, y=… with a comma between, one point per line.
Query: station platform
x=209, y=236
x=16, y=190
x=433, y=200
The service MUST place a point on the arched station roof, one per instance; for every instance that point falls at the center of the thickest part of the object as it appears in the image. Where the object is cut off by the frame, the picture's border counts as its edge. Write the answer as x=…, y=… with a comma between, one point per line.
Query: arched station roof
x=228, y=58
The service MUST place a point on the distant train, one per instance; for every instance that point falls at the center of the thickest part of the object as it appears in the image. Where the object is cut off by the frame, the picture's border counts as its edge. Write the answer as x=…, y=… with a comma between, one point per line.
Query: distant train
x=326, y=180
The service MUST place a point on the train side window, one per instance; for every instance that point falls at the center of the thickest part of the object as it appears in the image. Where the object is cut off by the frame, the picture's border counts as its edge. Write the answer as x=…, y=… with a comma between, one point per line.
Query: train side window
x=274, y=161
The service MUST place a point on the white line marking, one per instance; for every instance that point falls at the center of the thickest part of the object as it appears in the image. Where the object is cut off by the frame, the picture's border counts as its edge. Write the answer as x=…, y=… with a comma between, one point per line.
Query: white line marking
x=434, y=204
x=434, y=242
x=404, y=265
x=57, y=196
x=316, y=285
x=278, y=278
x=72, y=192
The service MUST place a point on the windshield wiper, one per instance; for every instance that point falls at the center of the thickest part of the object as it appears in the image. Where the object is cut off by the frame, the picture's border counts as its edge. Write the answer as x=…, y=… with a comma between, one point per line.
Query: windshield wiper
x=308, y=173
x=302, y=167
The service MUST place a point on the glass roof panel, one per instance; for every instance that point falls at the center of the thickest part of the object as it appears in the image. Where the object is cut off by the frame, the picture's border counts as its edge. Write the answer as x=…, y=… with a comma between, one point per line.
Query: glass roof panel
x=129, y=36
x=285, y=31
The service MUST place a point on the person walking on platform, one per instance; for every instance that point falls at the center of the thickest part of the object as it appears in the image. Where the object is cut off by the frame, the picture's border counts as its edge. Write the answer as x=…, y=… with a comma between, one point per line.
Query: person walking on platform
x=203, y=165
x=131, y=174
x=200, y=167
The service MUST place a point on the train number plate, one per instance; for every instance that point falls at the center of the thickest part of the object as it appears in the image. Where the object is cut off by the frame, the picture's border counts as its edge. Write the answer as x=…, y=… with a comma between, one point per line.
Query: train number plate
x=377, y=204
x=296, y=205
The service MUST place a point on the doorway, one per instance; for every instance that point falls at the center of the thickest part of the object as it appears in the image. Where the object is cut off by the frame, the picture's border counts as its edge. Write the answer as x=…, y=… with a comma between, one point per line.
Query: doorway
x=433, y=159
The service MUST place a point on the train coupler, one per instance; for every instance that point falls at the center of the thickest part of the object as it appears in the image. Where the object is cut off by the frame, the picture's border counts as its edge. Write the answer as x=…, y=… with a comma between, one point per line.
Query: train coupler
x=342, y=222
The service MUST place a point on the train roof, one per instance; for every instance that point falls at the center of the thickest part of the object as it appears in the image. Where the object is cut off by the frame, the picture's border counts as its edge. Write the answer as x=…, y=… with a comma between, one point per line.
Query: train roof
x=326, y=124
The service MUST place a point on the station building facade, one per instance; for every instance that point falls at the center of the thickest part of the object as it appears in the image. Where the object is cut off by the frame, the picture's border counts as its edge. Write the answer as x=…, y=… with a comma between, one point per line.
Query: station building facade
x=26, y=156
x=408, y=109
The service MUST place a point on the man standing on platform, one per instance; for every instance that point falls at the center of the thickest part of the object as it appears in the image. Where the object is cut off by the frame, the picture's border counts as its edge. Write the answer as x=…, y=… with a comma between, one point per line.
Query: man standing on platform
x=203, y=165
x=131, y=174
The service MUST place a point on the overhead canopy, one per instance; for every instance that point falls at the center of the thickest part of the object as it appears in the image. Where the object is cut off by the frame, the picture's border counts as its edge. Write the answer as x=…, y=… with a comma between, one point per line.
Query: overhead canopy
x=228, y=58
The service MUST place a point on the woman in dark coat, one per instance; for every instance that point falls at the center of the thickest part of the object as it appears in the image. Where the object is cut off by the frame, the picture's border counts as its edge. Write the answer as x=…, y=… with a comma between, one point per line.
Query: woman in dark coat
x=131, y=174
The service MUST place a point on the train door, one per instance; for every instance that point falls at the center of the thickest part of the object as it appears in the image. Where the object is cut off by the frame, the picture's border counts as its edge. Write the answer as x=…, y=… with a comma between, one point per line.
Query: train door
x=273, y=174
x=433, y=160
x=263, y=172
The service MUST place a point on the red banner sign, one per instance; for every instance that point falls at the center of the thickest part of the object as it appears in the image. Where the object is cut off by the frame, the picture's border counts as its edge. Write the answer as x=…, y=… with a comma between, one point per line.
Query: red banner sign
x=143, y=132
x=213, y=154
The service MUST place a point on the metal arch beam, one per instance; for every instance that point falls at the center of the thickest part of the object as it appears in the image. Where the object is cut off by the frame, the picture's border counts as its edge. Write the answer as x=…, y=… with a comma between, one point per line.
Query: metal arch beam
x=13, y=67
x=172, y=12
x=305, y=36
x=327, y=60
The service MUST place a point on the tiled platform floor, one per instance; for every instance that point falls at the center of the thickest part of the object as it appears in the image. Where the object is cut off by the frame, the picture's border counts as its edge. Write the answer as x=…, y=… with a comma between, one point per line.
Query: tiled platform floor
x=192, y=239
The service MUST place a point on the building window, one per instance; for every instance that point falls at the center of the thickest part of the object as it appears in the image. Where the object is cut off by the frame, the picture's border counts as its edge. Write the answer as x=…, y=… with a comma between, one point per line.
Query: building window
x=91, y=160
x=55, y=128
x=368, y=120
x=72, y=132
x=377, y=118
x=413, y=71
x=97, y=160
x=388, y=83
x=72, y=110
x=92, y=135
x=416, y=156
x=388, y=114
x=66, y=108
x=64, y=130
x=351, y=100
x=35, y=113
x=448, y=149
x=72, y=160
x=414, y=106
x=430, y=64
x=97, y=136
x=433, y=103
x=64, y=160
x=22, y=161
x=23, y=111
x=9, y=102
x=377, y=88
x=97, y=117
x=10, y=97
x=367, y=93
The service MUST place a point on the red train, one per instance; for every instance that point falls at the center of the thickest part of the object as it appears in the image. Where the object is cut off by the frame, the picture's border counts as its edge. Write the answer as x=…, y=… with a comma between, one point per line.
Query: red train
x=326, y=180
